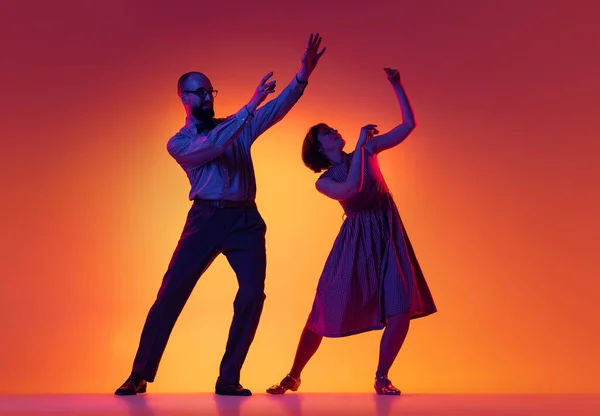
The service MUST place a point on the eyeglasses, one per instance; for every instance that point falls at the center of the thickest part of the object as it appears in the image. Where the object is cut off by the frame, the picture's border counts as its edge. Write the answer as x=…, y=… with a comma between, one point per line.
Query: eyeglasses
x=201, y=92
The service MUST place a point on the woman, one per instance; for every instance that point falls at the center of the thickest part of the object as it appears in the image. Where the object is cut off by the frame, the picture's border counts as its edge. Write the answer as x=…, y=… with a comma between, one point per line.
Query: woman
x=371, y=279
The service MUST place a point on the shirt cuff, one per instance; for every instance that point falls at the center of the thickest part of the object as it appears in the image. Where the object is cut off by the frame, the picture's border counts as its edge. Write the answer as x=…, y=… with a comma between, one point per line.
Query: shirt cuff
x=244, y=116
x=298, y=87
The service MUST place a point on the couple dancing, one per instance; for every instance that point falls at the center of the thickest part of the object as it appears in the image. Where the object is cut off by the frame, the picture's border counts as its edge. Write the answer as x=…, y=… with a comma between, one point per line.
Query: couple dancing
x=371, y=279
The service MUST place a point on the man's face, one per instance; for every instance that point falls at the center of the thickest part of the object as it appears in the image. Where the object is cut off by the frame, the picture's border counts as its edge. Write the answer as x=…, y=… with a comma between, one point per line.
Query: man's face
x=199, y=97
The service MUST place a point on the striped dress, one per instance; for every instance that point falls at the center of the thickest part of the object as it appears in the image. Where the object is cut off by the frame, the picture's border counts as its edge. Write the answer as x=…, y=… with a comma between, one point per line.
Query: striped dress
x=371, y=272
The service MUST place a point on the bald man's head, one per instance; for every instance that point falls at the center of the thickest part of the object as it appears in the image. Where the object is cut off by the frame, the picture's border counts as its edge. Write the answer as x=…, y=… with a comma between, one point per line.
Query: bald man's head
x=191, y=81
x=197, y=96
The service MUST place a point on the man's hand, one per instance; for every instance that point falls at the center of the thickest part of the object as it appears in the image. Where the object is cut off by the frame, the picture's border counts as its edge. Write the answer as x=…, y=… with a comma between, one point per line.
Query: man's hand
x=261, y=92
x=392, y=75
x=311, y=57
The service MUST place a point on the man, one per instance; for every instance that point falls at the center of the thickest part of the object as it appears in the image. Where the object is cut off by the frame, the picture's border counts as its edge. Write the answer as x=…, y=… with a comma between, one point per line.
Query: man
x=215, y=154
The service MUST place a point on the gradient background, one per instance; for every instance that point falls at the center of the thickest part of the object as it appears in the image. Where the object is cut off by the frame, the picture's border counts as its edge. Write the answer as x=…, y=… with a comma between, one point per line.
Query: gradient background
x=498, y=187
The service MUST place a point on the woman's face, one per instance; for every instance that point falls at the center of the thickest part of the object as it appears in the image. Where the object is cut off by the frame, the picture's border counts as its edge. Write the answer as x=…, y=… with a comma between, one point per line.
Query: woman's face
x=330, y=139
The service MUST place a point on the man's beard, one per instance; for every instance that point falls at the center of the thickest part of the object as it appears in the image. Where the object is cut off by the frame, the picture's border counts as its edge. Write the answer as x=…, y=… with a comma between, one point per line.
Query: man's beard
x=203, y=114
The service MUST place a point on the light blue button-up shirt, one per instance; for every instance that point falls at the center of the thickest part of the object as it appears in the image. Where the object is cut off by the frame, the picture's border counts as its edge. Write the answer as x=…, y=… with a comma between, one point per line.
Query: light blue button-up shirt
x=230, y=175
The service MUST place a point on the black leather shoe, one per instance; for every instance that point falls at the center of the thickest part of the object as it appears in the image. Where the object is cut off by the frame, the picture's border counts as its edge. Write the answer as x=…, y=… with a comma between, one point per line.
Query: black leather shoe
x=224, y=388
x=132, y=386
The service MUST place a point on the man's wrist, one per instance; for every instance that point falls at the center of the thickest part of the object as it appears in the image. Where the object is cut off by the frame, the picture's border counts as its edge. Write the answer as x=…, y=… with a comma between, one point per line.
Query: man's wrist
x=301, y=77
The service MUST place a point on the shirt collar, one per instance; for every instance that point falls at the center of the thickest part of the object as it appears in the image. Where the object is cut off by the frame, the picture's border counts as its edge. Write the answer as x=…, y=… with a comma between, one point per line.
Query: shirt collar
x=197, y=127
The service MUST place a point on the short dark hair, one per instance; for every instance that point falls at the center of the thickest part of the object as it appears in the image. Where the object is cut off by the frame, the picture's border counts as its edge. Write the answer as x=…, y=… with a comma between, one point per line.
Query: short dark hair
x=312, y=154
